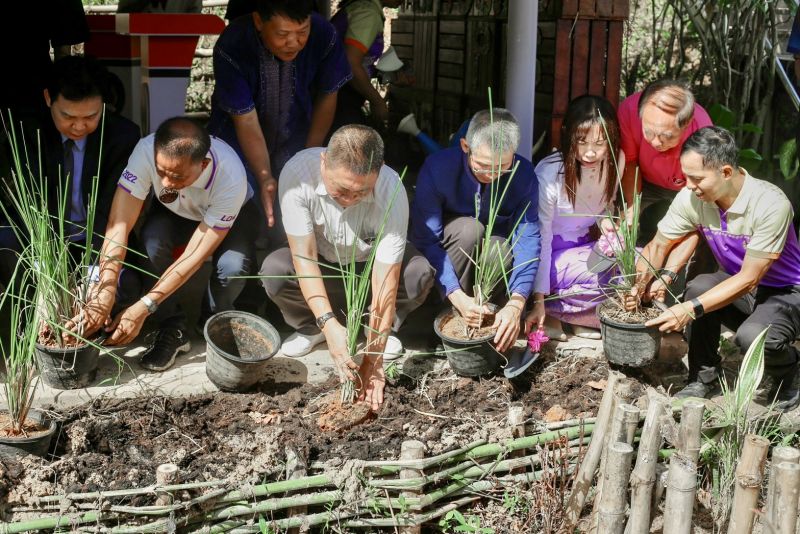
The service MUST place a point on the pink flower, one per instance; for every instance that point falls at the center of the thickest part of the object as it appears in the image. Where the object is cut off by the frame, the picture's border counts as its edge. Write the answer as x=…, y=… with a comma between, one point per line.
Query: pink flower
x=536, y=339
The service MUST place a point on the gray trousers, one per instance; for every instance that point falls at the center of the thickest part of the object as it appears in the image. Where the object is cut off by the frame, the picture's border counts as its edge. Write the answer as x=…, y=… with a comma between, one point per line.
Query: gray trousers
x=749, y=315
x=416, y=280
x=461, y=236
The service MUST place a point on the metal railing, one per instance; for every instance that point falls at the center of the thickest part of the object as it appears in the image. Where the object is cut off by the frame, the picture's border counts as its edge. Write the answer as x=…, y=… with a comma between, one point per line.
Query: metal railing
x=790, y=88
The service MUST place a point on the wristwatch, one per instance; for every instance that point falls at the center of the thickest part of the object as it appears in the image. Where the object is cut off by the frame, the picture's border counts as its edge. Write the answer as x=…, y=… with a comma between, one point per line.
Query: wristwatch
x=672, y=274
x=151, y=305
x=322, y=319
x=697, y=308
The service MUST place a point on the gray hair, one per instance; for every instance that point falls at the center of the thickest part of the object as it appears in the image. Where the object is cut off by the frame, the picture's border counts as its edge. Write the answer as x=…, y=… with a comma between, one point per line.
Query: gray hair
x=497, y=129
x=357, y=148
x=671, y=96
x=715, y=145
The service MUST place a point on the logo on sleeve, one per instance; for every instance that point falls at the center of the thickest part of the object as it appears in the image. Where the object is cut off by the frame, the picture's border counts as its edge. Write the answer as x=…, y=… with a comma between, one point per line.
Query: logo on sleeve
x=227, y=218
x=129, y=176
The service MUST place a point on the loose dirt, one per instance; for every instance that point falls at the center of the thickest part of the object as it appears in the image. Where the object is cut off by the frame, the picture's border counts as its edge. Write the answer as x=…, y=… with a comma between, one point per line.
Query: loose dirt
x=30, y=429
x=615, y=312
x=241, y=340
x=453, y=326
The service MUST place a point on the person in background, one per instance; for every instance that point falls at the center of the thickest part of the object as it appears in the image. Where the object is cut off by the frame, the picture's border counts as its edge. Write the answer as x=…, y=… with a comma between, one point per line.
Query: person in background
x=577, y=189
x=277, y=74
x=455, y=182
x=202, y=201
x=359, y=24
x=748, y=224
x=336, y=200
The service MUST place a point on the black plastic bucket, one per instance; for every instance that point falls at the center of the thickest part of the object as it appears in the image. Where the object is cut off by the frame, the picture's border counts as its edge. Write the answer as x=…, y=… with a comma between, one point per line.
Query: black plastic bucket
x=238, y=347
x=16, y=447
x=632, y=345
x=69, y=367
x=468, y=357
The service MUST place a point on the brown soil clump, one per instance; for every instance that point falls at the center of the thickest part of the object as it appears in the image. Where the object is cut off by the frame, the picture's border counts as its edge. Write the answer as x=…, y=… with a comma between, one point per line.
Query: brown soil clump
x=616, y=313
x=453, y=326
x=30, y=429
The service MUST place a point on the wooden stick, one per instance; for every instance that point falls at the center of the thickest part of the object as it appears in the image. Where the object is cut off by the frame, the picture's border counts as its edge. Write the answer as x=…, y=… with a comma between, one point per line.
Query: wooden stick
x=643, y=477
x=691, y=423
x=784, y=504
x=681, y=486
x=295, y=468
x=611, y=515
x=165, y=475
x=779, y=456
x=411, y=450
x=583, y=480
x=623, y=425
x=516, y=421
x=749, y=474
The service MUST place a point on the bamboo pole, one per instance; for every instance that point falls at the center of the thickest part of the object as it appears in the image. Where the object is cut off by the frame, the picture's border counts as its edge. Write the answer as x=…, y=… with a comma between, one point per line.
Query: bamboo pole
x=295, y=468
x=165, y=475
x=749, y=475
x=516, y=422
x=643, y=477
x=411, y=450
x=611, y=513
x=583, y=480
x=691, y=423
x=623, y=429
x=783, y=507
x=681, y=486
x=779, y=456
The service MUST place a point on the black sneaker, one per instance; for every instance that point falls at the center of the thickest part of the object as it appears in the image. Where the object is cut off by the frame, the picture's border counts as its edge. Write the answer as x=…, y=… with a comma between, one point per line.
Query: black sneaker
x=698, y=389
x=166, y=345
x=785, y=393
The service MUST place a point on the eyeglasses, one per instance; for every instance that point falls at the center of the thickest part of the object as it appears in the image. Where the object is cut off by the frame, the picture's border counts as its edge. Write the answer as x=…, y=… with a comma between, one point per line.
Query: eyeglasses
x=168, y=195
x=494, y=172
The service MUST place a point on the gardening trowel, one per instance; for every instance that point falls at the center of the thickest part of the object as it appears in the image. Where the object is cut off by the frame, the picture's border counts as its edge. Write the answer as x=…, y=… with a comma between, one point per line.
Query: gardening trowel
x=597, y=262
x=519, y=361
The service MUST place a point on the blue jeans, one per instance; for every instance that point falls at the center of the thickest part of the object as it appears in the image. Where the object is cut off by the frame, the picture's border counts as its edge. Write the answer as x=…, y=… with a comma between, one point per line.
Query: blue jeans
x=163, y=232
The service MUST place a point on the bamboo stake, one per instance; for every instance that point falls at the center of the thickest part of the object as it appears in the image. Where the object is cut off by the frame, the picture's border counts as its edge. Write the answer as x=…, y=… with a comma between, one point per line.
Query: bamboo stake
x=681, y=486
x=611, y=514
x=295, y=468
x=749, y=474
x=165, y=475
x=411, y=450
x=643, y=477
x=516, y=422
x=691, y=423
x=583, y=480
x=784, y=505
x=779, y=455
x=623, y=429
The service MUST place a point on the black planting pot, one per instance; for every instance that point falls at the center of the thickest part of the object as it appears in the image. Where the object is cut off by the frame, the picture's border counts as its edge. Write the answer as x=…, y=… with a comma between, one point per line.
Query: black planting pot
x=69, y=367
x=237, y=357
x=631, y=345
x=13, y=448
x=468, y=357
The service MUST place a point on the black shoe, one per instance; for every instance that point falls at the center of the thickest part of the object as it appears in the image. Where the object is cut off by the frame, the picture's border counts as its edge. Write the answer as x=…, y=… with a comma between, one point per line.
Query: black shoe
x=785, y=393
x=166, y=345
x=698, y=389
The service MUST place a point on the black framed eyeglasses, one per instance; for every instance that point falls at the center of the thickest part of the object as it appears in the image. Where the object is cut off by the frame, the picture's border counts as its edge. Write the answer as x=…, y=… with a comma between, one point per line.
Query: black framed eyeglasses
x=168, y=195
x=489, y=173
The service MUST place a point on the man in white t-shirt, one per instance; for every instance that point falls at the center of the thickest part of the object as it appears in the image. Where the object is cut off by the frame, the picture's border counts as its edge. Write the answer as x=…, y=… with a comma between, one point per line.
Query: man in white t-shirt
x=332, y=200
x=748, y=225
x=202, y=203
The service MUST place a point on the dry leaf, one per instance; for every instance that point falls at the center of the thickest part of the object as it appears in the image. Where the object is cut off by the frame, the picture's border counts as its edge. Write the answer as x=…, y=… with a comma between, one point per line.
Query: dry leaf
x=598, y=384
x=555, y=414
x=273, y=417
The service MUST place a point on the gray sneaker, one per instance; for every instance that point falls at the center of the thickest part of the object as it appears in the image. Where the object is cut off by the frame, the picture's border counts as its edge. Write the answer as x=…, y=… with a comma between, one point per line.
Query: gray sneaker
x=698, y=389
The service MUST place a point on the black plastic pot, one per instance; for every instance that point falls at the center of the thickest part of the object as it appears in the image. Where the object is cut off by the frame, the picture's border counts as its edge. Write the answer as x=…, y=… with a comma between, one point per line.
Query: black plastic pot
x=468, y=357
x=13, y=448
x=632, y=345
x=67, y=368
x=238, y=347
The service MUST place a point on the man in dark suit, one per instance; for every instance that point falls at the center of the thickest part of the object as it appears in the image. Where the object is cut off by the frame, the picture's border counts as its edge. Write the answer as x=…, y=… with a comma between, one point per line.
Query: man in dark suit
x=79, y=142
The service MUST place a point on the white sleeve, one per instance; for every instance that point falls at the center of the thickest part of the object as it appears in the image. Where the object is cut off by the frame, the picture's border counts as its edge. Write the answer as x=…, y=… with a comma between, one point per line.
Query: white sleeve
x=393, y=245
x=137, y=178
x=548, y=200
x=226, y=199
x=295, y=209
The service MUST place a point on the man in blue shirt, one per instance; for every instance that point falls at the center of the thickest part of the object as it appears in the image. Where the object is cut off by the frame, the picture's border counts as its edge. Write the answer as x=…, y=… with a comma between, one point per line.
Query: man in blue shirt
x=455, y=183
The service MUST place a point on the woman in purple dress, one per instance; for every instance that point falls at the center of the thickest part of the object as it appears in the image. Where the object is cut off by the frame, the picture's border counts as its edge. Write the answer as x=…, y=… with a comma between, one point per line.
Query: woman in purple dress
x=577, y=188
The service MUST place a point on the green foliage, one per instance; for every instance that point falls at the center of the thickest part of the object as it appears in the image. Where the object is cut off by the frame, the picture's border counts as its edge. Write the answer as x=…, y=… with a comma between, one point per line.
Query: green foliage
x=723, y=116
x=455, y=521
x=788, y=159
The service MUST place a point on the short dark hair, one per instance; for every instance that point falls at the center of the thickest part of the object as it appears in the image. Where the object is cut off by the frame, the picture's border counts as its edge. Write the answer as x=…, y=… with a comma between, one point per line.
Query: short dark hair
x=179, y=137
x=77, y=78
x=672, y=96
x=357, y=148
x=296, y=10
x=715, y=145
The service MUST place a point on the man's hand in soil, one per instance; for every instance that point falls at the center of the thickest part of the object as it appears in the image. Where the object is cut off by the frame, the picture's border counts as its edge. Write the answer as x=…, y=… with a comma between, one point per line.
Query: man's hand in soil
x=632, y=300
x=127, y=324
x=468, y=309
x=674, y=319
x=95, y=314
x=507, y=323
x=373, y=382
x=336, y=337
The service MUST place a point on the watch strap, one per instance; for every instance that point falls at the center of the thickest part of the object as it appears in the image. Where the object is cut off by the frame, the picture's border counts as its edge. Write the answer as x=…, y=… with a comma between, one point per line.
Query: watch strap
x=324, y=318
x=672, y=274
x=697, y=308
x=149, y=303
